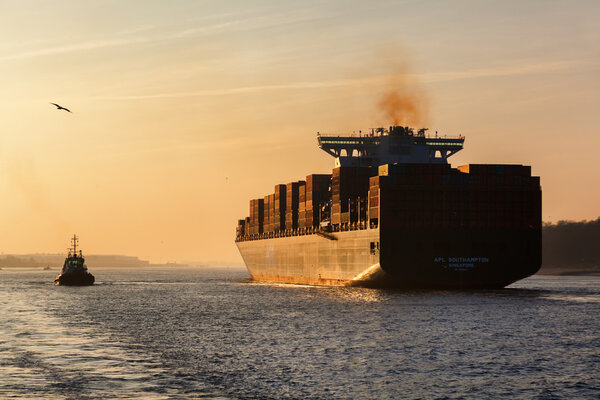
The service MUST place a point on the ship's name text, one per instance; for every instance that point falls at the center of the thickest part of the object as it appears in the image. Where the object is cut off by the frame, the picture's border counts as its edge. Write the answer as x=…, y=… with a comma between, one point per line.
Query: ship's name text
x=461, y=259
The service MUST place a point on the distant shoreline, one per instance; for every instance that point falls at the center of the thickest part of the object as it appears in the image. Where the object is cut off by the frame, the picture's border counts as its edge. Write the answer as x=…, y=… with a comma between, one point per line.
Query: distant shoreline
x=550, y=271
x=55, y=268
x=55, y=261
x=128, y=267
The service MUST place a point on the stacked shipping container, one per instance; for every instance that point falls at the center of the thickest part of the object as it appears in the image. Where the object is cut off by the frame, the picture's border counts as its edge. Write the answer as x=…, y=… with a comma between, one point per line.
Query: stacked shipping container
x=437, y=196
x=292, y=203
x=269, y=216
x=257, y=210
x=302, y=204
x=349, y=191
x=317, y=198
x=279, y=201
x=413, y=195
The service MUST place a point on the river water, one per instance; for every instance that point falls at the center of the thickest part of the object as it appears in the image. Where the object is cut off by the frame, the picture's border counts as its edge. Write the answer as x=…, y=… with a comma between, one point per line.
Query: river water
x=209, y=333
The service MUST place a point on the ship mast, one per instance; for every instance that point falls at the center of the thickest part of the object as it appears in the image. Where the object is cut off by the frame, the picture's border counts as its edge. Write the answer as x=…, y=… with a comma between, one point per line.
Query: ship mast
x=75, y=241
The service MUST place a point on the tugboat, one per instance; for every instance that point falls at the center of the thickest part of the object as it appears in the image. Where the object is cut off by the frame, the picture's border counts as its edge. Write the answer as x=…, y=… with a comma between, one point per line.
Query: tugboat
x=74, y=271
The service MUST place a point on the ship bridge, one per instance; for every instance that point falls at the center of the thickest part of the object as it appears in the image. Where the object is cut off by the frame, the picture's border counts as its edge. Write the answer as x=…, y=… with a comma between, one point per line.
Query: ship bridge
x=397, y=144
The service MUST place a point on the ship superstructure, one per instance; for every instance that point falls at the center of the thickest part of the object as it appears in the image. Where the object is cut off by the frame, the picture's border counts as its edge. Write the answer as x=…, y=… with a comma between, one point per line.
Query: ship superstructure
x=394, y=212
x=395, y=145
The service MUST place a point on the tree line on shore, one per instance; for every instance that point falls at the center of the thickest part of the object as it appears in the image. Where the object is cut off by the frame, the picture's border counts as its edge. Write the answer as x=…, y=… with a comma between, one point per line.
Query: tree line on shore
x=571, y=244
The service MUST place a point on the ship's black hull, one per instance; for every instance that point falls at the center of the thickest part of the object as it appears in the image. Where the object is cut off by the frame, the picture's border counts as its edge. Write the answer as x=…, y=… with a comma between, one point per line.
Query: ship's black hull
x=459, y=258
x=75, y=279
x=413, y=259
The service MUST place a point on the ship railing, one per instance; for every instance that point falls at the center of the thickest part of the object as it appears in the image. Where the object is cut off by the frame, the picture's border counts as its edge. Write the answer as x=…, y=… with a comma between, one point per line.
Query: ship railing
x=377, y=133
x=343, y=227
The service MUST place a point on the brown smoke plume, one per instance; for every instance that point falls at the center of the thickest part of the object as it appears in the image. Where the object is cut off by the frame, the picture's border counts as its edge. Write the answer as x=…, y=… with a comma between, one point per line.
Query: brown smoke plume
x=404, y=101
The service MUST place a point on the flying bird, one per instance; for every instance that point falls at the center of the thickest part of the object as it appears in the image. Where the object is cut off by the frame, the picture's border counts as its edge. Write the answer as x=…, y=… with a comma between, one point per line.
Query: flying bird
x=58, y=107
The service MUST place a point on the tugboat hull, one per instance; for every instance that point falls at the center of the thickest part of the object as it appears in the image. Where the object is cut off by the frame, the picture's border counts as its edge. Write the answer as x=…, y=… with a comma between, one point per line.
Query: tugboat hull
x=75, y=279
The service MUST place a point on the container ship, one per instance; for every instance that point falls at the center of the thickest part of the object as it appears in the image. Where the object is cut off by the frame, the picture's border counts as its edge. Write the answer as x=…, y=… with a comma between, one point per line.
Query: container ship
x=394, y=213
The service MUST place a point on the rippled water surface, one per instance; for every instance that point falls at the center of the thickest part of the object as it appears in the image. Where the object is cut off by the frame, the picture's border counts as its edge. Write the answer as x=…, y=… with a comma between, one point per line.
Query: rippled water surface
x=210, y=333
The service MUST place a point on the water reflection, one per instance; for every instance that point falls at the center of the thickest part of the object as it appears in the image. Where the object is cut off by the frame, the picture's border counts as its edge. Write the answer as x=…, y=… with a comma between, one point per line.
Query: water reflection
x=40, y=354
x=590, y=298
x=214, y=334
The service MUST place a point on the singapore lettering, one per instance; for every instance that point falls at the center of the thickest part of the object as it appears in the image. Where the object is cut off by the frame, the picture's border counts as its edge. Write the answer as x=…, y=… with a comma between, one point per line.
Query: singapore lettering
x=460, y=263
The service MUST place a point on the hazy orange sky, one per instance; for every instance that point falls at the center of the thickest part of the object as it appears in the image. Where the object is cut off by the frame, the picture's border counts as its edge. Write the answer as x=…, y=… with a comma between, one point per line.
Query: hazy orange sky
x=184, y=110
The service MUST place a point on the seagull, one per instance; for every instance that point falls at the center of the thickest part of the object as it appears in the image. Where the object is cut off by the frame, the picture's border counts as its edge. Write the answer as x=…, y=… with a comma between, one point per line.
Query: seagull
x=61, y=108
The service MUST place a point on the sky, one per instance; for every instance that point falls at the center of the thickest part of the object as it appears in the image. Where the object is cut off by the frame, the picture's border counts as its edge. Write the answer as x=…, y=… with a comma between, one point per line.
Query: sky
x=185, y=110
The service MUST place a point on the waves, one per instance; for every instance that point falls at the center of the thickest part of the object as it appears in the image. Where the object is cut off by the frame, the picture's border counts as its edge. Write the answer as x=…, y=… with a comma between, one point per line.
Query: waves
x=206, y=333
x=43, y=356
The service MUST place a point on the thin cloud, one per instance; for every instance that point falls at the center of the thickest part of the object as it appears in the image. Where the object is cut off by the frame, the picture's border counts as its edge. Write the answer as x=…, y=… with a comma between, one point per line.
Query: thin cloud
x=208, y=145
x=100, y=44
x=516, y=70
x=240, y=25
x=240, y=90
x=513, y=70
x=84, y=46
